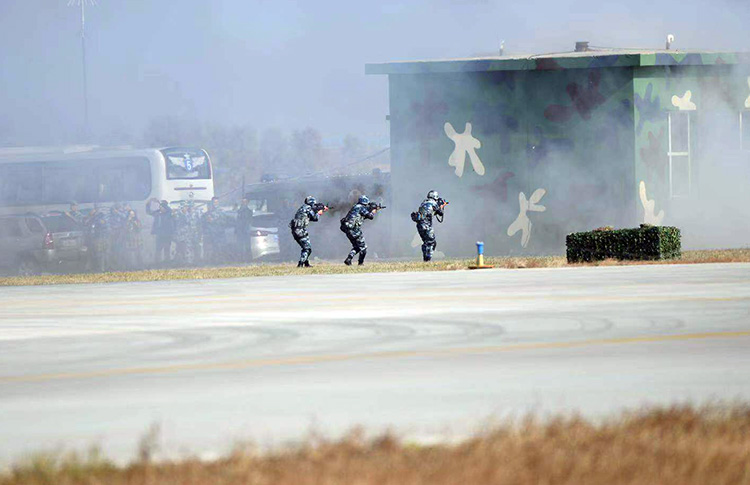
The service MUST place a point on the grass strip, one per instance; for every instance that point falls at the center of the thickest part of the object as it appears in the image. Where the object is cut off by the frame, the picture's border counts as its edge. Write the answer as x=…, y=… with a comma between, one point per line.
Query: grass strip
x=678, y=445
x=324, y=267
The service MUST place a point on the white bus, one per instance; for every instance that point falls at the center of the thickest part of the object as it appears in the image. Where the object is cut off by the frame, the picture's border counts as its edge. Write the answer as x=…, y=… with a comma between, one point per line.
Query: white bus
x=44, y=180
x=41, y=181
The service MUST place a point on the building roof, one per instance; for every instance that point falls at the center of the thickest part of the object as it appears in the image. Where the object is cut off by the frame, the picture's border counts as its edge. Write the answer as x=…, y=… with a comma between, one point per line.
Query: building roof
x=593, y=58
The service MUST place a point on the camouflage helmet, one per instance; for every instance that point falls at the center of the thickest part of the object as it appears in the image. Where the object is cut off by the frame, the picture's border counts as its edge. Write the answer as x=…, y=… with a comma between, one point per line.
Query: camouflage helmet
x=310, y=200
x=363, y=199
x=432, y=194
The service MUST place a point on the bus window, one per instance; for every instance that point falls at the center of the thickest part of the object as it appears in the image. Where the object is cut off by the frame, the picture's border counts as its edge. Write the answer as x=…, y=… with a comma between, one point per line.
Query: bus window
x=63, y=183
x=10, y=228
x=136, y=179
x=86, y=181
x=186, y=164
x=20, y=184
x=87, y=188
x=110, y=178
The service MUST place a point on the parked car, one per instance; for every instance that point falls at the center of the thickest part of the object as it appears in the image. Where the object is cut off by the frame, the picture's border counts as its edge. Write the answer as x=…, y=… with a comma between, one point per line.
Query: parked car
x=31, y=244
x=264, y=237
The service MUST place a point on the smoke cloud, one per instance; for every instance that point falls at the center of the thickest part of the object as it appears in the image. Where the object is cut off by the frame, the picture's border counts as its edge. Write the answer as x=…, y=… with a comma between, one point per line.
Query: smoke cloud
x=288, y=64
x=278, y=87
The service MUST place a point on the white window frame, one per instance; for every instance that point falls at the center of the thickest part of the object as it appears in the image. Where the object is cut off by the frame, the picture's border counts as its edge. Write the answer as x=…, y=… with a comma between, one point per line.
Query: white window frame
x=686, y=154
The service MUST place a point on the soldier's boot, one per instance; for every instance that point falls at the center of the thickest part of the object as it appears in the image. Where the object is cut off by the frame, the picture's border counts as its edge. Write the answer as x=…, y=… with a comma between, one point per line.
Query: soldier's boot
x=300, y=264
x=362, y=255
x=307, y=264
x=348, y=260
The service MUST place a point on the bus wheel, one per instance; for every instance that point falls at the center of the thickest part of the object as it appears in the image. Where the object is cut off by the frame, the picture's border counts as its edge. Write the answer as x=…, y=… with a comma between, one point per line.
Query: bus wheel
x=28, y=267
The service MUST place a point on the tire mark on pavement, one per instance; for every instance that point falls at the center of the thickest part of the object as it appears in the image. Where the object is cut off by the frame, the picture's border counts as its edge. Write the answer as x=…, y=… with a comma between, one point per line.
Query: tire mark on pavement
x=321, y=359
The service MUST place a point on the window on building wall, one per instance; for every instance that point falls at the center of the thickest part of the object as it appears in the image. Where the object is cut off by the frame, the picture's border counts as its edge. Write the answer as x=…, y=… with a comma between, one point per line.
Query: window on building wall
x=745, y=130
x=679, y=154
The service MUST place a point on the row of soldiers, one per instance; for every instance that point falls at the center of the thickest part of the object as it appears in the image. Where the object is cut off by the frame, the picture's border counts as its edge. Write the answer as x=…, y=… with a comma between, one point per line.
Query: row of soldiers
x=187, y=227
x=351, y=225
x=114, y=234
x=115, y=241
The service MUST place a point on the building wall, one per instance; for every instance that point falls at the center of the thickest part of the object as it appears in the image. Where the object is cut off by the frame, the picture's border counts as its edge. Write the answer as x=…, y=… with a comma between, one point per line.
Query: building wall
x=713, y=98
x=563, y=138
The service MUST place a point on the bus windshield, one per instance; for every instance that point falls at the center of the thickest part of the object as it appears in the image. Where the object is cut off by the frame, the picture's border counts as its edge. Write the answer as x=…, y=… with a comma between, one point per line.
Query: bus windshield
x=186, y=163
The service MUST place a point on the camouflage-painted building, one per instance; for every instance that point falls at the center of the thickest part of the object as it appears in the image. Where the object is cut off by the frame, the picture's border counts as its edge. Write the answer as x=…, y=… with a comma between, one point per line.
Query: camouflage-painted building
x=528, y=149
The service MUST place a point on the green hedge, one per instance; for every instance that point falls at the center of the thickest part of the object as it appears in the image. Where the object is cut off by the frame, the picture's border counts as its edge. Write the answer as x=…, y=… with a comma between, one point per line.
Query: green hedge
x=646, y=242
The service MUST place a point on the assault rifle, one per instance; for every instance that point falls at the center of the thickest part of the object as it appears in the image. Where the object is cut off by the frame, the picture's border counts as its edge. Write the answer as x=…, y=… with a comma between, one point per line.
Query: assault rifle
x=317, y=207
x=442, y=203
x=375, y=206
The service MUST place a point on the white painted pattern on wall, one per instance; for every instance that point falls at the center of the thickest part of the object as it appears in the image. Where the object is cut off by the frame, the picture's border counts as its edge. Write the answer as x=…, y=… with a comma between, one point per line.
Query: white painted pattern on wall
x=649, y=217
x=466, y=144
x=522, y=222
x=684, y=103
x=416, y=242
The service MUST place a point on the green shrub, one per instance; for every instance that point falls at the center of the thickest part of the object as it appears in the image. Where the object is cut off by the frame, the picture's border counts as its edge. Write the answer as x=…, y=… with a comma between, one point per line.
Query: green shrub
x=645, y=242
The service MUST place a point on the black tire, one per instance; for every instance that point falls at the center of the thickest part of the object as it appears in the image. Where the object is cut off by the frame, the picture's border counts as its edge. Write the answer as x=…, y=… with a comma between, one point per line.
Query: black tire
x=28, y=267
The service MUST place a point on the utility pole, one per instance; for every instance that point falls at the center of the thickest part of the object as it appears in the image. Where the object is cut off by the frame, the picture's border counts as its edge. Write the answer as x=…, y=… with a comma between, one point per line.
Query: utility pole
x=82, y=4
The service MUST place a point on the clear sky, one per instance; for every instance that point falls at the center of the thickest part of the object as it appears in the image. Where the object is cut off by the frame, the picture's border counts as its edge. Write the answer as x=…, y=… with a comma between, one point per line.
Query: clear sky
x=292, y=64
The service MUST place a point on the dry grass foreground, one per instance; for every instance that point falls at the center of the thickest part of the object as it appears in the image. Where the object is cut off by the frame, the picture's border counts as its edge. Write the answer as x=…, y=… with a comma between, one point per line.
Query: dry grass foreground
x=679, y=445
x=688, y=257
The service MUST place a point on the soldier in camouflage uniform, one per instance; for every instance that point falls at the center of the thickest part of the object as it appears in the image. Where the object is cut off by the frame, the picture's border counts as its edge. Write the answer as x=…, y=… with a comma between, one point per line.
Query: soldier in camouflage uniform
x=351, y=225
x=117, y=220
x=194, y=219
x=242, y=230
x=182, y=237
x=430, y=207
x=133, y=241
x=98, y=239
x=75, y=214
x=302, y=218
x=163, y=230
x=214, y=228
x=80, y=220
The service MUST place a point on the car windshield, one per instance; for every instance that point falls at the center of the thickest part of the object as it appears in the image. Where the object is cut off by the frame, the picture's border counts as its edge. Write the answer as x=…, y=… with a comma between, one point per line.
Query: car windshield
x=60, y=224
x=265, y=220
x=258, y=204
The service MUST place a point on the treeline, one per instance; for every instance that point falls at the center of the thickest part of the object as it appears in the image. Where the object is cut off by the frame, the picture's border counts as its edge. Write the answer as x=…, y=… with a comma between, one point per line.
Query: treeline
x=237, y=150
x=240, y=151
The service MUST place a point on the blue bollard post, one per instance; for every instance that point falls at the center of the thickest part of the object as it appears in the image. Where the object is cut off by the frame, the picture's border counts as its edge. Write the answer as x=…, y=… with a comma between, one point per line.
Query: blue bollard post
x=480, y=258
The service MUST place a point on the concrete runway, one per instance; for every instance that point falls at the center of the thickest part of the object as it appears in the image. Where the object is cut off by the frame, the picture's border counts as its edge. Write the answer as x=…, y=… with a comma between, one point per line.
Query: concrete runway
x=431, y=355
